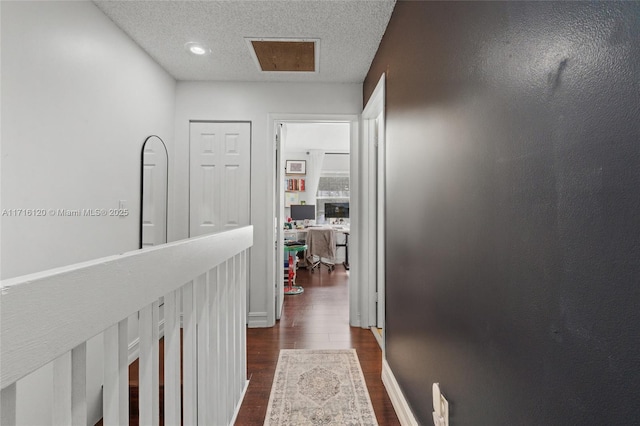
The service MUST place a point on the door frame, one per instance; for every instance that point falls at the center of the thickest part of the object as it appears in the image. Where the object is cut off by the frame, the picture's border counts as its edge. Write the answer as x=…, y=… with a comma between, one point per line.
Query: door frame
x=373, y=200
x=274, y=195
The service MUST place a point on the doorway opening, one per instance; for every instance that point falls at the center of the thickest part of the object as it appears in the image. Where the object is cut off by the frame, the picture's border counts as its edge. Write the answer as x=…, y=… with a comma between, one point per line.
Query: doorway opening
x=313, y=174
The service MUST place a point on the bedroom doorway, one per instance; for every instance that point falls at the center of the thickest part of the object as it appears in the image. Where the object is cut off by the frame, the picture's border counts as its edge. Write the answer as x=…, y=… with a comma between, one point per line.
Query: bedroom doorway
x=321, y=146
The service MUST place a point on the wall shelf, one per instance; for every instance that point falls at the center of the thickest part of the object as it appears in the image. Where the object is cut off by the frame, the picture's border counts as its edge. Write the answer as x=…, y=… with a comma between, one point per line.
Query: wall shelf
x=295, y=184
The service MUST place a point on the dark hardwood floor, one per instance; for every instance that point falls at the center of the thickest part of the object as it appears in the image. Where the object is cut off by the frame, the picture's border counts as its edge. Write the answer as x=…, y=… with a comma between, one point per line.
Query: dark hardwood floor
x=315, y=319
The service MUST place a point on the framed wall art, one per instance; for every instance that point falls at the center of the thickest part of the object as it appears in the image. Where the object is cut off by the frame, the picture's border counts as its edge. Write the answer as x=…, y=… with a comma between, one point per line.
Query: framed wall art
x=296, y=167
x=291, y=198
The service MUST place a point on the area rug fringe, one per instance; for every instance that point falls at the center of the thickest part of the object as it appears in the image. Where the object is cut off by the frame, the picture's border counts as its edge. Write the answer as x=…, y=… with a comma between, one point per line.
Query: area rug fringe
x=315, y=387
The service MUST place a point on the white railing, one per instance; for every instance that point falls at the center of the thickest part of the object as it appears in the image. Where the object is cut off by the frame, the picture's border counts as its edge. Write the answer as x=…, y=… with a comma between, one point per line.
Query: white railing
x=49, y=316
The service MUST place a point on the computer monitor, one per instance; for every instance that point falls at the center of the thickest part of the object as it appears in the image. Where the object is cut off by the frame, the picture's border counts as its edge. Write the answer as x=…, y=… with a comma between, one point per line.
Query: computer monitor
x=336, y=210
x=303, y=211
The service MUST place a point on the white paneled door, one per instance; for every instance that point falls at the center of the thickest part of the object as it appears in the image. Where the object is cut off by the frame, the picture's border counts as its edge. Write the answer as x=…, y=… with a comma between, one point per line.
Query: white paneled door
x=219, y=176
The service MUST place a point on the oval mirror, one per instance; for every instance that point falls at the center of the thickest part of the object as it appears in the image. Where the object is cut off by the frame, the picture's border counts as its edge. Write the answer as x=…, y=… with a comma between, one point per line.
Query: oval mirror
x=154, y=188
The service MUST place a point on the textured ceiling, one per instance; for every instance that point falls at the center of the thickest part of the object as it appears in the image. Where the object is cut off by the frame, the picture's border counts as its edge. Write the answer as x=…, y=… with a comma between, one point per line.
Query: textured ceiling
x=349, y=33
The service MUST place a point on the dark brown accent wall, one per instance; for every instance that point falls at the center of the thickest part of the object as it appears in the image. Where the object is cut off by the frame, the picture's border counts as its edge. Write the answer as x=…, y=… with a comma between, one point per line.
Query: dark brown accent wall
x=513, y=209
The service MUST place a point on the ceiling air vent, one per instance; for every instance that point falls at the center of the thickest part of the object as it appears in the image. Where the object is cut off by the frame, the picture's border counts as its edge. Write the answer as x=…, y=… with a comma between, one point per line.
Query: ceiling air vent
x=285, y=55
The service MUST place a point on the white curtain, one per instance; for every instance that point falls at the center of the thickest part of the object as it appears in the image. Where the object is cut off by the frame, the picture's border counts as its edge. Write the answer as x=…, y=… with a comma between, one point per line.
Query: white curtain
x=314, y=169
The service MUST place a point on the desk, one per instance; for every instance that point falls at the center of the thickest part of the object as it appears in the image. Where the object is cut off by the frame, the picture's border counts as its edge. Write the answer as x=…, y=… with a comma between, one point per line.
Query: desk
x=339, y=229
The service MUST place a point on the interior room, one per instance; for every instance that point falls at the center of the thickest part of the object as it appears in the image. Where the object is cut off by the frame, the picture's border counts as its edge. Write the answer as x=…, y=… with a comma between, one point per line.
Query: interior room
x=324, y=147
x=493, y=176
x=315, y=165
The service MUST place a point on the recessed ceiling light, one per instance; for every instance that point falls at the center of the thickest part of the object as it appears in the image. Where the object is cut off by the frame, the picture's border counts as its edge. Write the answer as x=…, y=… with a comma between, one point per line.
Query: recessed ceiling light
x=197, y=48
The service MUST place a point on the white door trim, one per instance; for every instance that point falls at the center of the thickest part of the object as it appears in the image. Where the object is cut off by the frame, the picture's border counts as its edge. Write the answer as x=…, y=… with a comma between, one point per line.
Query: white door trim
x=279, y=206
x=276, y=231
x=372, y=243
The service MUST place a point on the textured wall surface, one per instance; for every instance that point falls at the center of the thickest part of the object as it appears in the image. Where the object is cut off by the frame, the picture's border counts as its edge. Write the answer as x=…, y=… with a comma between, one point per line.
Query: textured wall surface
x=513, y=209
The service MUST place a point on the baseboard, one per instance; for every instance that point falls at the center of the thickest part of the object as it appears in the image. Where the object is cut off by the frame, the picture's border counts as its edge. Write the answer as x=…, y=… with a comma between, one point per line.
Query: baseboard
x=403, y=411
x=134, y=350
x=237, y=410
x=354, y=319
x=378, y=337
x=134, y=346
x=258, y=320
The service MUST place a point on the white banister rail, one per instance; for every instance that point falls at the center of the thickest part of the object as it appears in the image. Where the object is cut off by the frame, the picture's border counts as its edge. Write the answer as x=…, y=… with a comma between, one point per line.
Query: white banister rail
x=49, y=316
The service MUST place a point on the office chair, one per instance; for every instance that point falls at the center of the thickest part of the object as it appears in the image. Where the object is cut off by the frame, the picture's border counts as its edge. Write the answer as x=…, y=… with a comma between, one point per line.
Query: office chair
x=321, y=243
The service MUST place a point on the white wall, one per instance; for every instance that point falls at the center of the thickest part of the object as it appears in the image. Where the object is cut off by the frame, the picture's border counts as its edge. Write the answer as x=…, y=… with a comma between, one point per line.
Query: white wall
x=299, y=139
x=332, y=165
x=331, y=137
x=78, y=100
x=253, y=102
x=336, y=164
x=306, y=195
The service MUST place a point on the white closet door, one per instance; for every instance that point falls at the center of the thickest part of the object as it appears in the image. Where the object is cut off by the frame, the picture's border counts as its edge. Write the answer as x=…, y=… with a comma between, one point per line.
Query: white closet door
x=219, y=176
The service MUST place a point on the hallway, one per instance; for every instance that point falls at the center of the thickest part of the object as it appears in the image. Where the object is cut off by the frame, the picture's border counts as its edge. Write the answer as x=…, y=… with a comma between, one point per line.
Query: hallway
x=315, y=319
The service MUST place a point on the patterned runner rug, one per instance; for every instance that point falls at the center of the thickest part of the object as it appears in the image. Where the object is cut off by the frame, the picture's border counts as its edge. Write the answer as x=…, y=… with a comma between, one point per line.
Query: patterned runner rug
x=319, y=387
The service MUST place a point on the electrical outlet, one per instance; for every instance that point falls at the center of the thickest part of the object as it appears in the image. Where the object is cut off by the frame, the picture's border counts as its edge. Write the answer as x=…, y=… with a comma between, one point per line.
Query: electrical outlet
x=440, y=407
x=444, y=411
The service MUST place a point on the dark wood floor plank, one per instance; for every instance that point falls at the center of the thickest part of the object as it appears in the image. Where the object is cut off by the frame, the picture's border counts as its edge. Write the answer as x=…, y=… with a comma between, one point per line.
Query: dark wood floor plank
x=315, y=319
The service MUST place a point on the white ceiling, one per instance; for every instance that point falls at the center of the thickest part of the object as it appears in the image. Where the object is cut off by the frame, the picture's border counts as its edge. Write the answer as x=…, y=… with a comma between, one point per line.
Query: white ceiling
x=349, y=32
